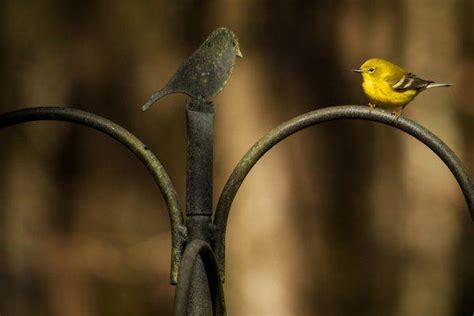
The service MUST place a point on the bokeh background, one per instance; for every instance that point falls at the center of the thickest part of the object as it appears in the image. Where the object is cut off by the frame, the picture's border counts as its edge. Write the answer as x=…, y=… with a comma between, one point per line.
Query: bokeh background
x=347, y=218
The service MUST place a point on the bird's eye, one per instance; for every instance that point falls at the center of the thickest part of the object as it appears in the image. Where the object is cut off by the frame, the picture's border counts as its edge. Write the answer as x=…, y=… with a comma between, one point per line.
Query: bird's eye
x=371, y=69
x=234, y=44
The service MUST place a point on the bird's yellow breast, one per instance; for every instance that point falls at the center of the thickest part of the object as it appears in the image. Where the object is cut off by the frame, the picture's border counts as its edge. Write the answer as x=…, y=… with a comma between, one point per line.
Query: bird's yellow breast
x=382, y=94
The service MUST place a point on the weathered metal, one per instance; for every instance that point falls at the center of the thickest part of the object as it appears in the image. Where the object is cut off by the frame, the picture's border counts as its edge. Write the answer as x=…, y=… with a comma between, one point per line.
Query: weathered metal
x=298, y=123
x=199, y=128
x=124, y=137
x=199, y=254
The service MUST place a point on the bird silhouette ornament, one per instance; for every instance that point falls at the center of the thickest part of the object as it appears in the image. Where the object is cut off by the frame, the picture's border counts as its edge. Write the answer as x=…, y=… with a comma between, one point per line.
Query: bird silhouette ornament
x=204, y=74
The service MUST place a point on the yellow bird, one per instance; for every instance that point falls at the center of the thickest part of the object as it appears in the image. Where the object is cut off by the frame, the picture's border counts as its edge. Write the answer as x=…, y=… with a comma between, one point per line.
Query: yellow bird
x=389, y=86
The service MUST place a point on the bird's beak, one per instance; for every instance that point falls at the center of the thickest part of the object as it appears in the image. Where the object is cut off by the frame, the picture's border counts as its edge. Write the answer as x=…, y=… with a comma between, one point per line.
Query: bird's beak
x=357, y=70
x=239, y=53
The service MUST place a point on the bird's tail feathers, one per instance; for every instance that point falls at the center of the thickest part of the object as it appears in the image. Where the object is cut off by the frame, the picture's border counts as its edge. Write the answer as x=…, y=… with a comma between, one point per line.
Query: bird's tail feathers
x=155, y=97
x=438, y=85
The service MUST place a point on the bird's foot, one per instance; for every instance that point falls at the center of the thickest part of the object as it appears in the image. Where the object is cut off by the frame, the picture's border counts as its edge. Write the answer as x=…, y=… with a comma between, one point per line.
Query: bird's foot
x=397, y=113
x=372, y=106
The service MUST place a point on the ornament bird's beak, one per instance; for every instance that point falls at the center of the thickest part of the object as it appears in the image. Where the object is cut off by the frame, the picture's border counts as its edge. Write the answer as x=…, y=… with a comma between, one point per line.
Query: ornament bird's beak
x=239, y=53
x=357, y=70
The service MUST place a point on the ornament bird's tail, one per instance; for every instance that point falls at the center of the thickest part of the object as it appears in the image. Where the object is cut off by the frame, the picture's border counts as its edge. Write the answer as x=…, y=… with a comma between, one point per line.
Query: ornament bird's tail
x=157, y=95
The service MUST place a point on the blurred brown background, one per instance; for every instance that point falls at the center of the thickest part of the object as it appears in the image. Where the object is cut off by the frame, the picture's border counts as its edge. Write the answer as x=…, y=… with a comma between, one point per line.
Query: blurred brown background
x=348, y=218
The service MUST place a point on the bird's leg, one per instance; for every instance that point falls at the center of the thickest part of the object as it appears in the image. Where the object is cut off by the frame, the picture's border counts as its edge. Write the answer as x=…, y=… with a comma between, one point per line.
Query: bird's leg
x=372, y=106
x=399, y=111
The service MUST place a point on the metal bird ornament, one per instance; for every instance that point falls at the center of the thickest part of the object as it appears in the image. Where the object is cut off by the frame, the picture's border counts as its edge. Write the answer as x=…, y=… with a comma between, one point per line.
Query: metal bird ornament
x=204, y=74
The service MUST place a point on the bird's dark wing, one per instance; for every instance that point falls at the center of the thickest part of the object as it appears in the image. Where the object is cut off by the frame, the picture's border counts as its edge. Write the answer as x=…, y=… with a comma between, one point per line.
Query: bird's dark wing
x=411, y=82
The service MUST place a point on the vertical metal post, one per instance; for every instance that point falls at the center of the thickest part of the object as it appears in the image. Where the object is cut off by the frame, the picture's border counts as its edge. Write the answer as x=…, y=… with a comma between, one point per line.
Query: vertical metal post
x=200, y=125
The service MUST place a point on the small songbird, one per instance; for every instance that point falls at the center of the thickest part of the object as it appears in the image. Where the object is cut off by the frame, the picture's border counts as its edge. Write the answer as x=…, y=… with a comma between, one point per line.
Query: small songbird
x=204, y=74
x=389, y=86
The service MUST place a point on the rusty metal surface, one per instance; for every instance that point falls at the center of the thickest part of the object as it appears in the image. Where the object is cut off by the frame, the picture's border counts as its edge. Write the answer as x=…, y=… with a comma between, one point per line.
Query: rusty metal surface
x=205, y=73
x=124, y=137
x=319, y=116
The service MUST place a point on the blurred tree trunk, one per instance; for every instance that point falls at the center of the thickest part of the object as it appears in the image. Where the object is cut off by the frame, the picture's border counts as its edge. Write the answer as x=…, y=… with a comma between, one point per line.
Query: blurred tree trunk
x=260, y=257
x=431, y=225
x=371, y=29
x=465, y=117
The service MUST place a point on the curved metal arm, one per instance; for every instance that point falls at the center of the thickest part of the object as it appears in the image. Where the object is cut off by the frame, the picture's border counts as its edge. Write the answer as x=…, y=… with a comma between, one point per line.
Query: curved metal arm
x=184, y=300
x=319, y=116
x=127, y=139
